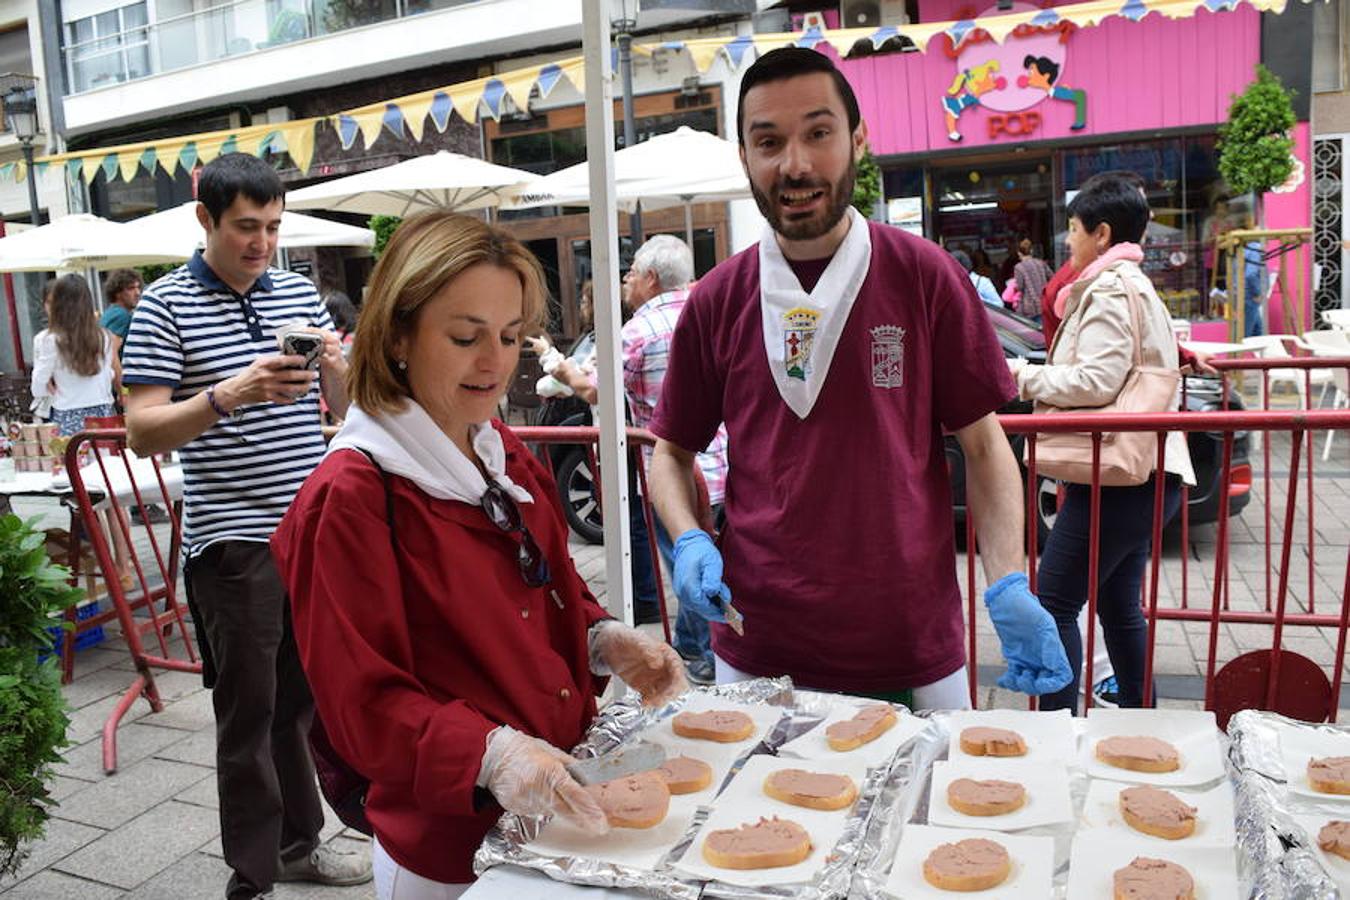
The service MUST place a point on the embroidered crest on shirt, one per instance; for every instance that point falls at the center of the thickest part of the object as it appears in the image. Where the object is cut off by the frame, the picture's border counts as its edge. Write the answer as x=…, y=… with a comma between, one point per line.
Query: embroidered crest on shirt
x=799, y=333
x=888, y=356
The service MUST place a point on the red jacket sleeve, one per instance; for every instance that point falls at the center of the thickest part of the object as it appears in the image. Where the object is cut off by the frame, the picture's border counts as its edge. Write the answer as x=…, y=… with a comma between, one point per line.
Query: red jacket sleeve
x=337, y=562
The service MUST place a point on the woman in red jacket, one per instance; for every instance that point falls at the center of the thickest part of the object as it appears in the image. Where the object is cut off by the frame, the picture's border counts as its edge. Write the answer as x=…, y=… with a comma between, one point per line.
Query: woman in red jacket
x=451, y=645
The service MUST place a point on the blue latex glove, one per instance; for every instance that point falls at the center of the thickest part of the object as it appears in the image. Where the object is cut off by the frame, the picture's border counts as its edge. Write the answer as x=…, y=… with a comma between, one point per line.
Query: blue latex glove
x=1037, y=663
x=698, y=576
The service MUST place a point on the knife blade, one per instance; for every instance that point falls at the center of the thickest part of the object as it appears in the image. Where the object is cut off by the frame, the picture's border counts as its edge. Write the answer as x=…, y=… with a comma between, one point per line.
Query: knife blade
x=639, y=757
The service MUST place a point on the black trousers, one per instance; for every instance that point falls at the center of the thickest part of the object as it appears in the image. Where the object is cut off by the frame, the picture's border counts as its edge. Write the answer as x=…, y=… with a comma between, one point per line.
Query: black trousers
x=1123, y=554
x=270, y=811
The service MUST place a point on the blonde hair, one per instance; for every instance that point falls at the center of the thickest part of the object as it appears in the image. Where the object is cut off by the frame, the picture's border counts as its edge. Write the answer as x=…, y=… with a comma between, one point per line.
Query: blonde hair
x=426, y=252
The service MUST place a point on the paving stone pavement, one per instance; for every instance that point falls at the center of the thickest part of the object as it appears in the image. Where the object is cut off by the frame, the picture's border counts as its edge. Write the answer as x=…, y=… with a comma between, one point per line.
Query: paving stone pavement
x=150, y=831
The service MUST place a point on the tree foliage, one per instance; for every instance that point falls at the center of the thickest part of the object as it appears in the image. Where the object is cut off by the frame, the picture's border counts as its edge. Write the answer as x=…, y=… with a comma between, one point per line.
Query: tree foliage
x=1254, y=144
x=32, y=711
x=867, y=185
x=384, y=228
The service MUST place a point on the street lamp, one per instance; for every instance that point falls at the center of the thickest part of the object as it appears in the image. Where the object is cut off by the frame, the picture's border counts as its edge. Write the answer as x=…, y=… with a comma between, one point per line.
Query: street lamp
x=21, y=115
x=623, y=19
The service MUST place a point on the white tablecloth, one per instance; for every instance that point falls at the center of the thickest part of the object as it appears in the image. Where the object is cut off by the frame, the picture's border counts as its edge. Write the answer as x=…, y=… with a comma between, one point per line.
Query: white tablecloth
x=44, y=484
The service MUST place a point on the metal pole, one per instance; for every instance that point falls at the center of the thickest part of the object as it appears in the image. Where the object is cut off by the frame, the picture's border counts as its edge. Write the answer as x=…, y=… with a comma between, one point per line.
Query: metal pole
x=629, y=126
x=605, y=279
x=35, y=215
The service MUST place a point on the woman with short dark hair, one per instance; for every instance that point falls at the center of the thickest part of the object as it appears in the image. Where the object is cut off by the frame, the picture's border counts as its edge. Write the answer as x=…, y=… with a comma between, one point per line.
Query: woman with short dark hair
x=1090, y=360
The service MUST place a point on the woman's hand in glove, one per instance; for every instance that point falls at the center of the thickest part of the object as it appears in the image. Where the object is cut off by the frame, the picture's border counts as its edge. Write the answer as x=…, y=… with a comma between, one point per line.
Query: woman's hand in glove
x=648, y=666
x=528, y=777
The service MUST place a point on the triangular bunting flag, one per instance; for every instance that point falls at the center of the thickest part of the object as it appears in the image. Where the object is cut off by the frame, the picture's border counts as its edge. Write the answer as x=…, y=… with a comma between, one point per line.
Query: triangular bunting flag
x=20, y=172
x=74, y=169
x=109, y=166
x=810, y=38
x=1045, y=18
x=371, y=125
x=883, y=35
x=271, y=143
x=518, y=86
x=187, y=157
x=549, y=76
x=957, y=31
x=575, y=70
x=166, y=157
x=1134, y=10
x=129, y=164
x=440, y=110
x=149, y=160
x=493, y=92
x=415, y=114
x=393, y=119
x=300, y=144
x=229, y=145
x=347, y=131
x=466, y=102
x=702, y=53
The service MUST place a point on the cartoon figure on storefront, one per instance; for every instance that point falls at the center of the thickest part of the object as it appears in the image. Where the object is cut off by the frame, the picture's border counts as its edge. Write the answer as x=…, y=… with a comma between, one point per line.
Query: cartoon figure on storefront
x=1041, y=72
x=966, y=91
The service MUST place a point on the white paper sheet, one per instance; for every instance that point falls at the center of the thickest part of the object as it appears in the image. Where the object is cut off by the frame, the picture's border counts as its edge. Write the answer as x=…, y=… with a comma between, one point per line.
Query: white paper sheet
x=1193, y=732
x=1047, y=786
x=1049, y=736
x=744, y=802
x=1095, y=858
x=813, y=745
x=1033, y=863
x=1297, y=746
x=718, y=755
x=1337, y=868
x=1213, y=815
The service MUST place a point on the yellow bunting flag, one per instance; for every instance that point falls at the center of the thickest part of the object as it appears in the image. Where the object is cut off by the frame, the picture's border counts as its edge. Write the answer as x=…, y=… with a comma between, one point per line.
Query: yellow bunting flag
x=300, y=143
x=415, y=111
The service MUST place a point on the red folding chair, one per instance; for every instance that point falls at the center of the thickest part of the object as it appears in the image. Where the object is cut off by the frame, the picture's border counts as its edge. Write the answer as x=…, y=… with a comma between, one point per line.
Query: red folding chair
x=116, y=480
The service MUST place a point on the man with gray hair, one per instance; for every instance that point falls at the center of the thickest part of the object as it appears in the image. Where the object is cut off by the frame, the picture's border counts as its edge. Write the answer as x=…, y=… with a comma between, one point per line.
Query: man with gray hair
x=655, y=290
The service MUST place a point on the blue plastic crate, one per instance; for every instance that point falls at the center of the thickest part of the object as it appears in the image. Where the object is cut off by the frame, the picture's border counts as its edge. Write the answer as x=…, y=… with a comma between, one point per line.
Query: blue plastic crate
x=90, y=638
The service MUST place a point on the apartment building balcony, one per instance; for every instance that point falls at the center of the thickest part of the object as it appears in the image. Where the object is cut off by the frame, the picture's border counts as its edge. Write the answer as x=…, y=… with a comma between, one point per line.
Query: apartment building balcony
x=160, y=57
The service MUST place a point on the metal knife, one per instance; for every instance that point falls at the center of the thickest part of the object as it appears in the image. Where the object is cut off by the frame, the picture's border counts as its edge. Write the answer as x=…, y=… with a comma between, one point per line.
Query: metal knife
x=735, y=620
x=639, y=757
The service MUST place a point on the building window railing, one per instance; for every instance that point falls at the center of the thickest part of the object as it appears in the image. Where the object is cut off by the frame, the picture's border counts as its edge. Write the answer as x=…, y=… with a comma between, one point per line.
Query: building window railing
x=125, y=44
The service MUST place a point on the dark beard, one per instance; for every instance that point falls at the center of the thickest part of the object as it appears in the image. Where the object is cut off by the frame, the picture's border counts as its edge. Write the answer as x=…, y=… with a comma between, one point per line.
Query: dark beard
x=840, y=199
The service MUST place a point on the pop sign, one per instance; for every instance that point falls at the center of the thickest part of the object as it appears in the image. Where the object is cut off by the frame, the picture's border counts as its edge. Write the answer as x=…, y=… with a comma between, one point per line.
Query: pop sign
x=1010, y=78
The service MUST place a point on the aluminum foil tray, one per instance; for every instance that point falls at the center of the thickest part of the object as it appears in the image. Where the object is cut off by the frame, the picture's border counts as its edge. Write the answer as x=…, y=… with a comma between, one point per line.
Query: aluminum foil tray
x=623, y=720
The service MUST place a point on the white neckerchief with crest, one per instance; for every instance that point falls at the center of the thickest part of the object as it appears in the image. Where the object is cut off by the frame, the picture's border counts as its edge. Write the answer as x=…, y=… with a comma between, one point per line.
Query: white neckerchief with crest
x=801, y=330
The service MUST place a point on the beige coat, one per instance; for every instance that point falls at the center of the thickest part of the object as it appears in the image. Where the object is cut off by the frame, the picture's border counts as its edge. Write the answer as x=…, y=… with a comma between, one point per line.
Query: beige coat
x=1093, y=351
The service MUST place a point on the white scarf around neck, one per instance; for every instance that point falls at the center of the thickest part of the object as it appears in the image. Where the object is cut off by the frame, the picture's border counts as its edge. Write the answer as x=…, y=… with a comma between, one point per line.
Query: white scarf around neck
x=410, y=444
x=801, y=330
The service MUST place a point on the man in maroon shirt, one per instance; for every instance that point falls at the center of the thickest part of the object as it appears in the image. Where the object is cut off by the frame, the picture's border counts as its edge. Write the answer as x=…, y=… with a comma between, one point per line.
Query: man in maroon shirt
x=837, y=351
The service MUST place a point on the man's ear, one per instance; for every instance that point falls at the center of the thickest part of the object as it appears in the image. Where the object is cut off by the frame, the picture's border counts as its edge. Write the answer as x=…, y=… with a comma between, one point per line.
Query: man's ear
x=203, y=216
x=859, y=141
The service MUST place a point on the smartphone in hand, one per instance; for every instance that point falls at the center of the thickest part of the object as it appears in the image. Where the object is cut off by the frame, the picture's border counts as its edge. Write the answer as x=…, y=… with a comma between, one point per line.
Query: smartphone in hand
x=303, y=343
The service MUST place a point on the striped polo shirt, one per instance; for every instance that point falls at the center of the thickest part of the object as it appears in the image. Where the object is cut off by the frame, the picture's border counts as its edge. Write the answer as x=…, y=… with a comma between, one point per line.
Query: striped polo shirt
x=190, y=331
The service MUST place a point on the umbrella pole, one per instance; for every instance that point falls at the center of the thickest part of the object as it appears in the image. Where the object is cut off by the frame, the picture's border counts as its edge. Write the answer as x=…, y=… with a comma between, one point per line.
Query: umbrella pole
x=689, y=223
x=604, y=222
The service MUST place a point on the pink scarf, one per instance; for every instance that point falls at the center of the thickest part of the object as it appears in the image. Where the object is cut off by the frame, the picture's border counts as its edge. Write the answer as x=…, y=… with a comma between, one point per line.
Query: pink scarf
x=1123, y=252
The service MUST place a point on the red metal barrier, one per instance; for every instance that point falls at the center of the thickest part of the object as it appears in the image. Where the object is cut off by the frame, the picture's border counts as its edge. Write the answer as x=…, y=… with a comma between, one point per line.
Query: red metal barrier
x=1299, y=424
x=589, y=436
x=111, y=479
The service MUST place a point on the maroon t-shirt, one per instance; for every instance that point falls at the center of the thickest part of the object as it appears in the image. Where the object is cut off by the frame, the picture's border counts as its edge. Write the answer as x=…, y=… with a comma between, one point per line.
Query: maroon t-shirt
x=839, y=536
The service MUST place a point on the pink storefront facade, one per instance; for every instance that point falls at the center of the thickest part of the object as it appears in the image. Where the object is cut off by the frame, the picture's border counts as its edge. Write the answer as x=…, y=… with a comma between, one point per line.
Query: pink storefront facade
x=982, y=144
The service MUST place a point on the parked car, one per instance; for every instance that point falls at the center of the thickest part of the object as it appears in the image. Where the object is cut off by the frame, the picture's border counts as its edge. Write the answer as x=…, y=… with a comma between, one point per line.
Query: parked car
x=1019, y=336
x=571, y=463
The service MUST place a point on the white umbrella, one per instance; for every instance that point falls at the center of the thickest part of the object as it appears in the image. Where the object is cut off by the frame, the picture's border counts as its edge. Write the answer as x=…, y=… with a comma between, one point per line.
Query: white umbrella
x=77, y=241
x=441, y=180
x=178, y=232
x=683, y=166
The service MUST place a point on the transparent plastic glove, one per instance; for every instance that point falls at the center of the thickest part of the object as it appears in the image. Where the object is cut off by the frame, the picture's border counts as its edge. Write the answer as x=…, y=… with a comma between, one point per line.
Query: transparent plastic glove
x=698, y=575
x=1037, y=663
x=648, y=666
x=550, y=359
x=527, y=776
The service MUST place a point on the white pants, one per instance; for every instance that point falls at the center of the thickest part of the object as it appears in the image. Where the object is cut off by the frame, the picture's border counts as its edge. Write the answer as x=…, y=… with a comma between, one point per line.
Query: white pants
x=952, y=692
x=393, y=882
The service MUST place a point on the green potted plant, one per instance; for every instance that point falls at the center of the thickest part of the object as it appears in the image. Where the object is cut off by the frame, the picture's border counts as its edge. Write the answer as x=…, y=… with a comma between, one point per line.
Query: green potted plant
x=1255, y=146
x=867, y=186
x=32, y=711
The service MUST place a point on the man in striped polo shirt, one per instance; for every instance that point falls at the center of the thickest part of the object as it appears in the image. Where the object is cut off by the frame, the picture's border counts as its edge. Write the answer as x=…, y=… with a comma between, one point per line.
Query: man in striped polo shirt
x=207, y=379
